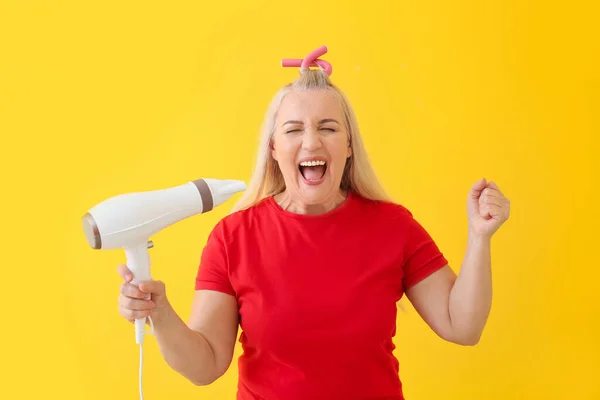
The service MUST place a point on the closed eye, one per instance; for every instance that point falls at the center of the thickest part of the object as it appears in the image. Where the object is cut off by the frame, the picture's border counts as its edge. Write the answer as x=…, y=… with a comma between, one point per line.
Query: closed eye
x=297, y=130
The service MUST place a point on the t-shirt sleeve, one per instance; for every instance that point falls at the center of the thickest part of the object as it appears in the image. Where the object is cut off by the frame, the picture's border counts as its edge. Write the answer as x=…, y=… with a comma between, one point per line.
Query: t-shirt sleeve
x=213, y=271
x=422, y=256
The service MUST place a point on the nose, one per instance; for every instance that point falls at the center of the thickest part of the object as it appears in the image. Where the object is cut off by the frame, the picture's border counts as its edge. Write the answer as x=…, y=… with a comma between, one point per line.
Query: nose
x=311, y=141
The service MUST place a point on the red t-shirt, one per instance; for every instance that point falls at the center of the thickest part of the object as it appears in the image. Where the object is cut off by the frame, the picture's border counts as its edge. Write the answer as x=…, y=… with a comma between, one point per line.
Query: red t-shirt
x=317, y=295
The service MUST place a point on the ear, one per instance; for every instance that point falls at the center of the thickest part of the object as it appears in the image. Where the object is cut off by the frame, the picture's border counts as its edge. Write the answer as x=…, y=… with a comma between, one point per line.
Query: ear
x=349, y=151
x=272, y=148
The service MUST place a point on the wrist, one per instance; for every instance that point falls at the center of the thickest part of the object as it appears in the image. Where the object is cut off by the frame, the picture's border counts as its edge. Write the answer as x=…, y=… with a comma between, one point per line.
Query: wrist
x=479, y=239
x=163, y=316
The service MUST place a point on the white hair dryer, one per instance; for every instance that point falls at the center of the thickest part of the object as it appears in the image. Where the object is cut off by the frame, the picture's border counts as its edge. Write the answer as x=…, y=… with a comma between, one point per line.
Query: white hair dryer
x=128, y=221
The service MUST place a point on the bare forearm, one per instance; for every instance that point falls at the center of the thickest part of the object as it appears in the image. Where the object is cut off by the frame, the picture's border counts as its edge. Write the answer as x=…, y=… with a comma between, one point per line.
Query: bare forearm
x=185, y=350
x=471, y=296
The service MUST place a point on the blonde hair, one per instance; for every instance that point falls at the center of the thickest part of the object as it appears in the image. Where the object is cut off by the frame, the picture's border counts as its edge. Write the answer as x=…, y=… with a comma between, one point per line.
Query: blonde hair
x=267, y=180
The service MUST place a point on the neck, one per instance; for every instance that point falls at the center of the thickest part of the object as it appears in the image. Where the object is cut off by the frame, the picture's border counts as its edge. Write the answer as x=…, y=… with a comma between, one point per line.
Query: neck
x=291, y=204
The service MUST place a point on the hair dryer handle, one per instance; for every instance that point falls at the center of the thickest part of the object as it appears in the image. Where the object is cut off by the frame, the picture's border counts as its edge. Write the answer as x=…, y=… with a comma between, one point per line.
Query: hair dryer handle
x=138, y=262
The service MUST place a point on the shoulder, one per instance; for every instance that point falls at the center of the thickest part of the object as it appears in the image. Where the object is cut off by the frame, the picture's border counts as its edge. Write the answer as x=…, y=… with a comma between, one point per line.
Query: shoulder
x=242, y=220
x=387, y=209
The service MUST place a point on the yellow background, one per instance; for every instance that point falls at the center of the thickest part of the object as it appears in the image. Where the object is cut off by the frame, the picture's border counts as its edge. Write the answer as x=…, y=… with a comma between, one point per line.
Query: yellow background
x=103, y=98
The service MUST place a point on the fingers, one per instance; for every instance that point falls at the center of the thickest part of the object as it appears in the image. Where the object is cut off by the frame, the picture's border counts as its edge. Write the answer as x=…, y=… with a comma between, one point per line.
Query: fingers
x=124, y=273
x=152, y=287
x=491, y=200
x=129, y=290
x=493, y=195
x=483, y=187
x=492, y=185
x=133, y=308
x=492, y=203
x=492, y=210
x=498, y=212
x=132, y=315
x=478, y=187
x=135, y=304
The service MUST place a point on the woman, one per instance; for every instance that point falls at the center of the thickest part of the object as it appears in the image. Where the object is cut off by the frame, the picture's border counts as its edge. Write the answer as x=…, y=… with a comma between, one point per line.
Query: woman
x=312, y=263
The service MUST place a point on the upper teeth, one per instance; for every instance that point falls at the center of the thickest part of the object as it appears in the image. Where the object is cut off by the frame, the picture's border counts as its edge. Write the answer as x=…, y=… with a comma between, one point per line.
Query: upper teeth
x=312, y=163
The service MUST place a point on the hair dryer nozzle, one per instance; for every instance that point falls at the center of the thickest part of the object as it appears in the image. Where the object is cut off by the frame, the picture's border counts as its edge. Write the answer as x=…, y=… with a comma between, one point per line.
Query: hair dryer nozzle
x=214, y=192
x=91, y=231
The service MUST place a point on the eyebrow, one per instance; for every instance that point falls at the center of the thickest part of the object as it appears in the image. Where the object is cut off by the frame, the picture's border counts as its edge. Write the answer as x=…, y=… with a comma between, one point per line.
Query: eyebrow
x=323, y=121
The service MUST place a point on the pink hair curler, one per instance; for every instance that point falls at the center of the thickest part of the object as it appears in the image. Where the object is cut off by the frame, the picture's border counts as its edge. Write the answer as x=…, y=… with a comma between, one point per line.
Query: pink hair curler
x=311, y=60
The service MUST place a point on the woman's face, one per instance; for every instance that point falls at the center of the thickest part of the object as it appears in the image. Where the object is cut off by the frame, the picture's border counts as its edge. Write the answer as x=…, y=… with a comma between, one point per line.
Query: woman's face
x=311, y=145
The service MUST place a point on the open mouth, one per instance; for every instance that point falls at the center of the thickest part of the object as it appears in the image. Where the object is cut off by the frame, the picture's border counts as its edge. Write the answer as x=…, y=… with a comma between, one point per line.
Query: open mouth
x=313, y=171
